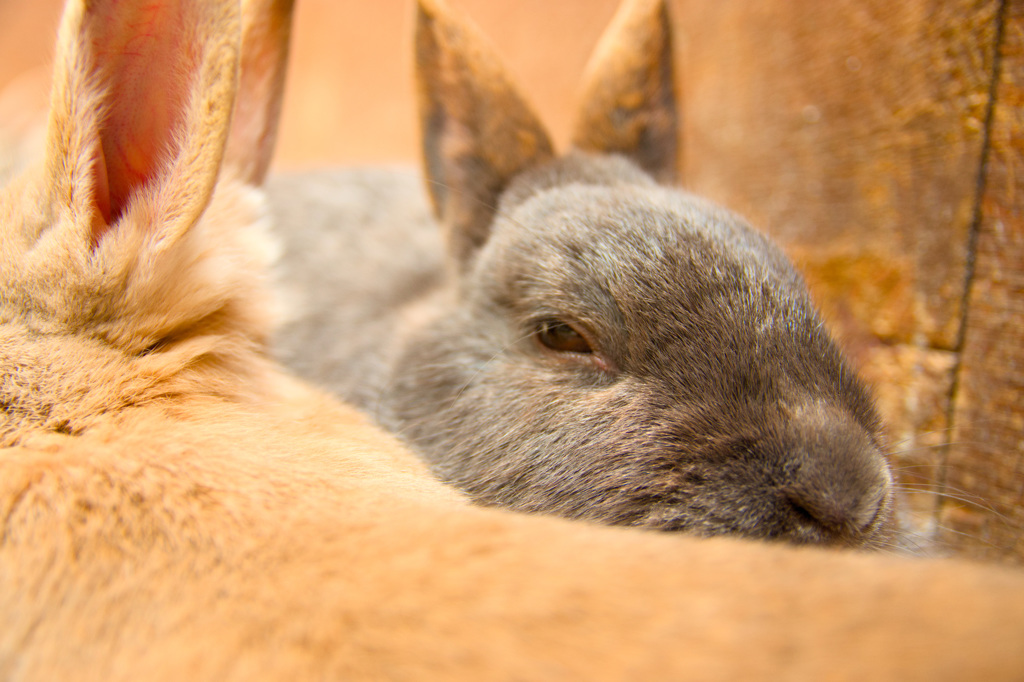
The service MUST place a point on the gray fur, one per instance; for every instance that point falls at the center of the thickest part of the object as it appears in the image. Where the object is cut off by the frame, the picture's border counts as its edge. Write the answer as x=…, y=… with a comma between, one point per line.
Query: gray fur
x=715, y=401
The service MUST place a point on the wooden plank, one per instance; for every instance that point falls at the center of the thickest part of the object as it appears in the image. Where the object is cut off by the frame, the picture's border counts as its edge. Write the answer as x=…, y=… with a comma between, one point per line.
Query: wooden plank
x=986, y=460
x=852, y=131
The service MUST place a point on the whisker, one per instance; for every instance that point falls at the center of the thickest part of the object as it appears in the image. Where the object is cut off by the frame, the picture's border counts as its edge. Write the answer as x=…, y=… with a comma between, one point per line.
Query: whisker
x=970, y=501
x=933, y=446
x=976, y=538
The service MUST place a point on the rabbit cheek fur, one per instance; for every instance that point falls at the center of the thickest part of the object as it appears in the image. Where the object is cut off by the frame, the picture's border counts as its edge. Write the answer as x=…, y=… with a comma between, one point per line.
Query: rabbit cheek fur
x=714, y=402
x=199, y=307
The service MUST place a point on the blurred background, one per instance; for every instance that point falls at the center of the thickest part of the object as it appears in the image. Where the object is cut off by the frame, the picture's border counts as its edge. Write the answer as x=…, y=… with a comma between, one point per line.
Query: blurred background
x=880, y=143
x=350, y=92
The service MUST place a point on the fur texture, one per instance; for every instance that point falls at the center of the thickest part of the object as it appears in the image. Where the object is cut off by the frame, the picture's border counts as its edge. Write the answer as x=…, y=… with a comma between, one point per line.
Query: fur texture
x=699, y=390
x=173, y=506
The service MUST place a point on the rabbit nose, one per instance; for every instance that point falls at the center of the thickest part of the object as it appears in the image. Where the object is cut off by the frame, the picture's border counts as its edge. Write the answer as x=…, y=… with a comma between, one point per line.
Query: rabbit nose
x=839, y=501
x=839, y=513
x=835, y=484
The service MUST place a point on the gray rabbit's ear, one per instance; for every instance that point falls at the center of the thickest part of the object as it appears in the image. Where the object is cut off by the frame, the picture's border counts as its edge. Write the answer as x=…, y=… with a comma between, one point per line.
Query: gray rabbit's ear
x=477, y=131
x=628, y=103
x=266, y=34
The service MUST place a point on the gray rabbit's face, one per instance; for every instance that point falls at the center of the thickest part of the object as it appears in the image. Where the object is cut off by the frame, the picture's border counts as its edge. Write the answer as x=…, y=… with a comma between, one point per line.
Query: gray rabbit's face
x=633, y=355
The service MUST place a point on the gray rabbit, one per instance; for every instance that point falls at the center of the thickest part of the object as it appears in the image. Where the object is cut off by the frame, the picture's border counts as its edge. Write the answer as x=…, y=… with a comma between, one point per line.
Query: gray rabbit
x=576, y=338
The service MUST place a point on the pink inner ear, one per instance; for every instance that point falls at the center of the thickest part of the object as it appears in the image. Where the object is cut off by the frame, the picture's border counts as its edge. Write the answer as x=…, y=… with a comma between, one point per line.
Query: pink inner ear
x=100, y=196
x=142, y=50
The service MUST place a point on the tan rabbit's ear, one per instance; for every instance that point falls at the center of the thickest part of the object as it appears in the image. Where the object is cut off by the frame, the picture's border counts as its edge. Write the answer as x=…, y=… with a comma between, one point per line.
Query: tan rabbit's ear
x=266, y=33
x=477, y=131
x=628, y=103
x=140, y=109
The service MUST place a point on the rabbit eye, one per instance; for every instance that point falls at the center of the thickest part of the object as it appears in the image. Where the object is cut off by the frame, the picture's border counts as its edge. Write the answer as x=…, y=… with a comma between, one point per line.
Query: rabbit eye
x=561, y=337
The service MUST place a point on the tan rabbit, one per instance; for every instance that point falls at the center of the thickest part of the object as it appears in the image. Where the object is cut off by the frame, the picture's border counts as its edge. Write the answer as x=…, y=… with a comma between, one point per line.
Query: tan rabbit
x=173, y=506
x=581, y=340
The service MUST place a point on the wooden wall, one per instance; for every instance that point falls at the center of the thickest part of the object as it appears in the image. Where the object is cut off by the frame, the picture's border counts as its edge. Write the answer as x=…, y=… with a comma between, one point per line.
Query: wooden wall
x=988, y=410
x=880, y=142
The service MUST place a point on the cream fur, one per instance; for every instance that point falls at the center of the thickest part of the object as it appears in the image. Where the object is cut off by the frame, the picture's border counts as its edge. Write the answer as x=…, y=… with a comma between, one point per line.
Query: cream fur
x=173, y=506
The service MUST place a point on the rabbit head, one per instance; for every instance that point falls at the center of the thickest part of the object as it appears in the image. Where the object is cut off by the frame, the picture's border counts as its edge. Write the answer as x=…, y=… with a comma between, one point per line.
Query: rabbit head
x=610, y=348
x=131, y=260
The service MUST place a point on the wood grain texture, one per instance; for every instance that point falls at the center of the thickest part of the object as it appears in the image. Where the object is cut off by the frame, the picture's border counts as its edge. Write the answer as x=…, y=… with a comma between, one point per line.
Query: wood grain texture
x=853, y=132
x=986, y=459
